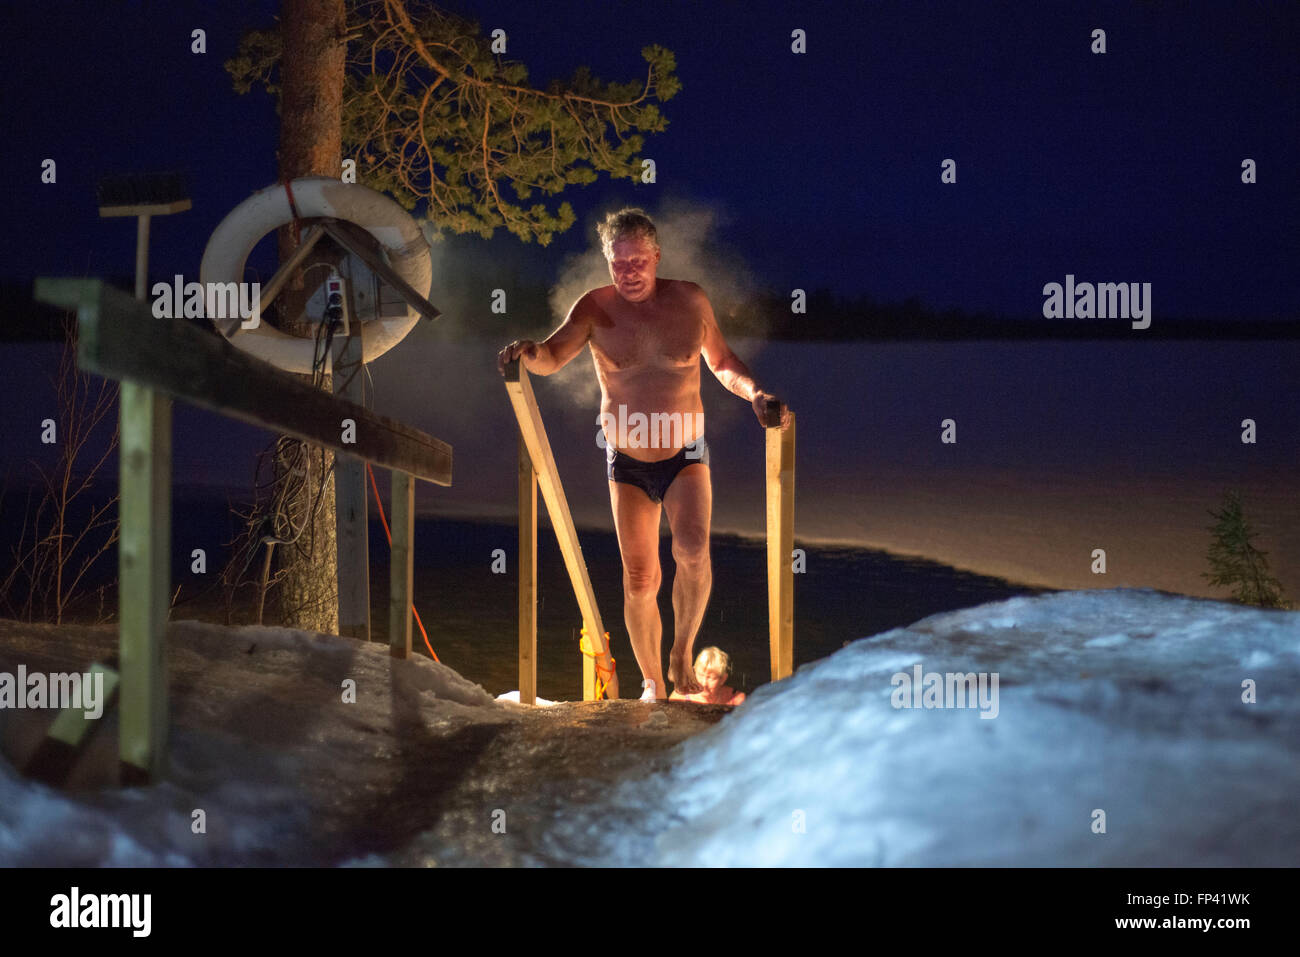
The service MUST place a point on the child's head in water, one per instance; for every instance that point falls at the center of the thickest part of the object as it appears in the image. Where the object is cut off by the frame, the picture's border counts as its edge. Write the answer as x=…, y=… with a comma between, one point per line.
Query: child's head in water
x=712, y=668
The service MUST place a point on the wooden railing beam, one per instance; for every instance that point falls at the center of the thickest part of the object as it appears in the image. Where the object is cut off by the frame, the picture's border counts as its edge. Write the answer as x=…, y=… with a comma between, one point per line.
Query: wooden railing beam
x=119, y=338
x=548, y=478
x=780, y=542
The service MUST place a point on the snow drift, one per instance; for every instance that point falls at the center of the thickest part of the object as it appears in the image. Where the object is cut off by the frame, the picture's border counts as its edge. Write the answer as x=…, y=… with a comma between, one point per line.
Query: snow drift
x=1126, y=701
x=1132, y=704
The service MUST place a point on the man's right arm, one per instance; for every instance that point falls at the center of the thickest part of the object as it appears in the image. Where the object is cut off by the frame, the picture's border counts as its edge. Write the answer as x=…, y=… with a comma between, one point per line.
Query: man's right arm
x=553, y=354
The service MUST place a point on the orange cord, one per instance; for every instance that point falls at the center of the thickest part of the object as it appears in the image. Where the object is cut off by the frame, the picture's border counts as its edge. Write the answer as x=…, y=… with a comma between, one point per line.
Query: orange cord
x=389, y=534
x=584, y=645
x=603, y=675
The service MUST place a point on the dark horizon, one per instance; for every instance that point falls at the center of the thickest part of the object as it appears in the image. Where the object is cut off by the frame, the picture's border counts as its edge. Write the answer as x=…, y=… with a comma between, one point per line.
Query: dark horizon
x=765, y=314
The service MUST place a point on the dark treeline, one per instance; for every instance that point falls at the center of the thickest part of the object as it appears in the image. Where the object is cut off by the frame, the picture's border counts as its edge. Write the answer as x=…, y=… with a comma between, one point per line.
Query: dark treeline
x=830, y=318
x=766, y=314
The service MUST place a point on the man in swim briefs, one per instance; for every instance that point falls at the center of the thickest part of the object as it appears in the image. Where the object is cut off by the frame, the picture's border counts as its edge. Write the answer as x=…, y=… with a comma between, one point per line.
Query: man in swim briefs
x=646, y=336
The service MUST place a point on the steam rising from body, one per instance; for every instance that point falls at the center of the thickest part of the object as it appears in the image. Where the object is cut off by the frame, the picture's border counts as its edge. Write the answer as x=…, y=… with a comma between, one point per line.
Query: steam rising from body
x=443, y=377
x=686, y=233
x=466, y=271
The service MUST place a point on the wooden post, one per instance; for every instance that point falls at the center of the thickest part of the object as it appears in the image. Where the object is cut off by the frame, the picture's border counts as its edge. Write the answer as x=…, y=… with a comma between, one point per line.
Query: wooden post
x=141, y=253
x=589, y=667
x=144, y=576
x=780, y=542
x=352, y=533
x=527, y=576
x=402, y=571
x=144, y=503
x=353, y=545
x=144, y=561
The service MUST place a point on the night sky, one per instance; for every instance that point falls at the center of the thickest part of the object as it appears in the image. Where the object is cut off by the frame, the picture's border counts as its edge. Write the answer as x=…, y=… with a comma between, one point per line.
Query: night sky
x=824, y=168
x=821, y=170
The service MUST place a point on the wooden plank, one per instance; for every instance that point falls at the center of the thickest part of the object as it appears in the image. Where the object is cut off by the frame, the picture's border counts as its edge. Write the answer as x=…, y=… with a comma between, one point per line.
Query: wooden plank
x=144, y=574
x=352, y=533
x=121, y=339
x=147, y=209
x=402, y=569
x=287, y=268
x=57, y=756
x=368, y=249
x=353, y=546
x=71, y=727
x=780, y=547
x=527, y=576
x=589, y=674
x=283, y=274
x=557, y=506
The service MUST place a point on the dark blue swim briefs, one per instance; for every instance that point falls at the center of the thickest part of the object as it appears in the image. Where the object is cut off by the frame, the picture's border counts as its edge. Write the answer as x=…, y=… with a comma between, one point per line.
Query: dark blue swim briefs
x=653, y=478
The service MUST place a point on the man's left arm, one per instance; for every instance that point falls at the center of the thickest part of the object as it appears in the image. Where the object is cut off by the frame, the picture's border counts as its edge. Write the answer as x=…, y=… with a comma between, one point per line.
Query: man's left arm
x=728, y=367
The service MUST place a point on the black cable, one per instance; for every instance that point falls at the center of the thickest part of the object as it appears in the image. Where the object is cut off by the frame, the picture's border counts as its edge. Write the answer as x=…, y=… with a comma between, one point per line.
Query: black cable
x=293, y=457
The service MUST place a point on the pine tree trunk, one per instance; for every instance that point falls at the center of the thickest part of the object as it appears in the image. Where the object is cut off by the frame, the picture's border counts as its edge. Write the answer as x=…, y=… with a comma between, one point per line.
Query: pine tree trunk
x=311, y=130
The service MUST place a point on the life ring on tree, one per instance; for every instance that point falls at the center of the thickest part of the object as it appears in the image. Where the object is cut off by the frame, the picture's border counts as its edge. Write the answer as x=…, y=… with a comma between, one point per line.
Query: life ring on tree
x=404, y=244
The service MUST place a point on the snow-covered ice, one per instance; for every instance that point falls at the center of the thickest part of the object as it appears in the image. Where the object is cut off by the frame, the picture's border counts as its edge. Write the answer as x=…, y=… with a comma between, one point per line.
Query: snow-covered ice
x=1128, y=702
x=513, y=698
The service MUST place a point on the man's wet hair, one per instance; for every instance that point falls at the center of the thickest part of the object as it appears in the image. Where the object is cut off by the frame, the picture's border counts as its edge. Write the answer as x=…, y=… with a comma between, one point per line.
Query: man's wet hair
x=628, y=223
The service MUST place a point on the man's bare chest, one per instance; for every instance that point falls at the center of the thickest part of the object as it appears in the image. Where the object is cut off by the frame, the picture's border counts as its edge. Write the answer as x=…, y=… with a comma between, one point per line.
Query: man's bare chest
x=666, y=338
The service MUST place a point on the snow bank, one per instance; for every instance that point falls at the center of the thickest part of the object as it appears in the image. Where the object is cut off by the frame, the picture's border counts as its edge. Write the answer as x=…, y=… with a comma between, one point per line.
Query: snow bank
x=1124, y=701
x=39, y=827
x=432, y=677
x=274, y=732
x=1127, y=703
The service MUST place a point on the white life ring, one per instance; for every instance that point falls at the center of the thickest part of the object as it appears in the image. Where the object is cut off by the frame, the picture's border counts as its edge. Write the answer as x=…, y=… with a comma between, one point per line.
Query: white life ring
x=268, y=209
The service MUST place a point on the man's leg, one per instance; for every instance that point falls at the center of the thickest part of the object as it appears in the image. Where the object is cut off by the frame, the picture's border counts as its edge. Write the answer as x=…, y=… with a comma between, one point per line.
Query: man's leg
x=636, y=520
x=689, y=505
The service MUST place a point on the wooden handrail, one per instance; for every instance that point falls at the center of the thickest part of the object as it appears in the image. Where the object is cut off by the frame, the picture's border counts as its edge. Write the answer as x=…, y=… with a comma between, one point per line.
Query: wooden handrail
x=538, y=446
x=780, y=540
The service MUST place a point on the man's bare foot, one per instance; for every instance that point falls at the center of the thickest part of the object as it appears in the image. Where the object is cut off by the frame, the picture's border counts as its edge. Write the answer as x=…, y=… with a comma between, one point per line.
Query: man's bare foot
x=682, y=675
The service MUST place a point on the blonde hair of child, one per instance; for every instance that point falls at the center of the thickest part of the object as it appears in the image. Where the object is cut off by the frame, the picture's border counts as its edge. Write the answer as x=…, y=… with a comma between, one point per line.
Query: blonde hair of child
x=712, y=657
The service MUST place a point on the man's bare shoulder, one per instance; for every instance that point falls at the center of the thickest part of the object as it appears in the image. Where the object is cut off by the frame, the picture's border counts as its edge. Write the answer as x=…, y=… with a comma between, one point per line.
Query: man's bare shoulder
x=694, y=298
x=600, y=294
x=594, y=305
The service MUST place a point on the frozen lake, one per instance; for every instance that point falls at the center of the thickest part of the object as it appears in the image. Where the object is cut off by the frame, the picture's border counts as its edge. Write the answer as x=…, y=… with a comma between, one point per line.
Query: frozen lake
x=1062, y=447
